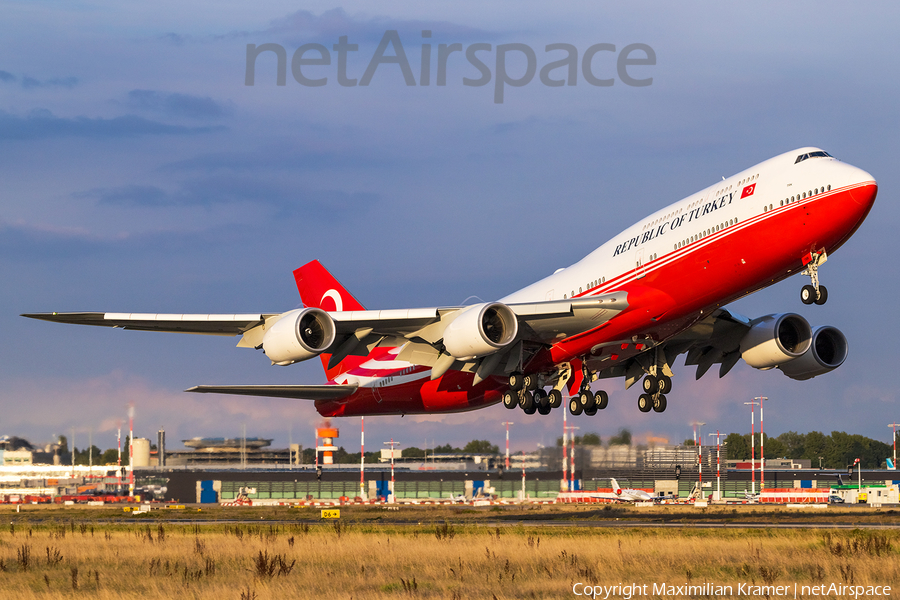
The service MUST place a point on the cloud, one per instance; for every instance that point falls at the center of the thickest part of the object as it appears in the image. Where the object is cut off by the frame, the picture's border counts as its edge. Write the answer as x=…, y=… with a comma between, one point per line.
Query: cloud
x=66, y=82
x=303, y=26
x=42, y=124
x=29, y=82
x=286, y=197
x=331, y=24
x=176, y=105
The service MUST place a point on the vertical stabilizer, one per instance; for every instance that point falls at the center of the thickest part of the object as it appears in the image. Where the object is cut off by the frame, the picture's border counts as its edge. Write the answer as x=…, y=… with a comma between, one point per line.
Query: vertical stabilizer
x=319, y=289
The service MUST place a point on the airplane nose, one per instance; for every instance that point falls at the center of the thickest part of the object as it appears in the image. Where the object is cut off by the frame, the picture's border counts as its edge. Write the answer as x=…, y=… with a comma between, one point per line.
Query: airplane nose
x=865, y=194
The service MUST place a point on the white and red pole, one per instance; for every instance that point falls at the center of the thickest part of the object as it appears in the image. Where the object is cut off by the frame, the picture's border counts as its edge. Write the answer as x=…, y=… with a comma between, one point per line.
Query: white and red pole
x=523, y=476
x=565, y=463
x=119, y=462
x=131, y=450
x=362, y=458
x=752, y=448
x=893, y=427
x=507, y=423
x=762, y=446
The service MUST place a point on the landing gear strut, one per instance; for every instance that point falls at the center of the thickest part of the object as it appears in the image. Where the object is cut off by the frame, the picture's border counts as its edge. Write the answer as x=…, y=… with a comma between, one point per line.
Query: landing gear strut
x=814, y=293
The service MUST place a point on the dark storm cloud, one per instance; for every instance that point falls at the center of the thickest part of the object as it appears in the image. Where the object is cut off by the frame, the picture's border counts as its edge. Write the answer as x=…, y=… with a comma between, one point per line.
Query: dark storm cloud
x=42, y=124
x=176, y=105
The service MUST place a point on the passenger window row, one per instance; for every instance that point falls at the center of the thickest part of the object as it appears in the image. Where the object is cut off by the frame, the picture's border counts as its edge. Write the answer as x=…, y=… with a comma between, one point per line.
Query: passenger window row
x=798, y=197
x=705, y=233
x=589, y=286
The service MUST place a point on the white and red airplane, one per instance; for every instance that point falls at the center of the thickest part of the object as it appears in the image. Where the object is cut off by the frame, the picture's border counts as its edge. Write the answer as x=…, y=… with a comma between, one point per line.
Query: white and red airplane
x=626, y=310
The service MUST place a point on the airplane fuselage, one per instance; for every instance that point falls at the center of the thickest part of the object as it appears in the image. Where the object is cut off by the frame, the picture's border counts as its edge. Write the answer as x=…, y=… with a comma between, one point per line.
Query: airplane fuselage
x=728, y=240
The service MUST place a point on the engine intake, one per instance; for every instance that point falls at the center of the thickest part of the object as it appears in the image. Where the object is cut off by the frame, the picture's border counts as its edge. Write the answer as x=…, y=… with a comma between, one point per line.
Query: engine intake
x=827, y=352
x=774, y=340
x=480, y=330
x=299, y=335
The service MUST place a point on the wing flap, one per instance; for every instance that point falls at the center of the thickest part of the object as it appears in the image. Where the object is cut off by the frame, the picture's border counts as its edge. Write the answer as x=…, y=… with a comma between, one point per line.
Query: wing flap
x=299, y=392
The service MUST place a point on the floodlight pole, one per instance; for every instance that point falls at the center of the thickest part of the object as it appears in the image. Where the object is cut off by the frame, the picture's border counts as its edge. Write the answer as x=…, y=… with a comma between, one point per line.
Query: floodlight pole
x=699, y=438
x=762, y=446
x=572, y=458
x=392, y=443
x=893, y=427
x=507, y=423
x=718, y=476
x=752, y=448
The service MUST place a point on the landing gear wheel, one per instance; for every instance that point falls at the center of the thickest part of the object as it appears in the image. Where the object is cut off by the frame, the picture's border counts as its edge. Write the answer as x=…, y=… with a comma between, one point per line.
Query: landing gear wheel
x=645, y=403
x=510, y=399
x=516, y=381
x=531, y=382
x=526, y=400
x=665, y=384
x=651, y=385
x=544, y=410
x=808, y=294
x=590, y=411
x=575, y=407
x=659, y=403
x=601, y=398
x=823, y=295
x=530, y=411
x=541, y=399
x=555, y=397
x=586, y=399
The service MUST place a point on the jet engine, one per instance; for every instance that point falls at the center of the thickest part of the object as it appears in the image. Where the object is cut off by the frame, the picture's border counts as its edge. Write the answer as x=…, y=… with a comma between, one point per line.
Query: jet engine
x=827, y=352
x=299, y=335
x=774, y=340
x=480, y=330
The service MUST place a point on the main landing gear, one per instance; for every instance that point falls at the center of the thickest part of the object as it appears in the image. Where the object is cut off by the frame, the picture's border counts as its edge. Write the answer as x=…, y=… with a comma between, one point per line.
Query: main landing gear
x=654, y=396
x=814, y=293
x=527, y=393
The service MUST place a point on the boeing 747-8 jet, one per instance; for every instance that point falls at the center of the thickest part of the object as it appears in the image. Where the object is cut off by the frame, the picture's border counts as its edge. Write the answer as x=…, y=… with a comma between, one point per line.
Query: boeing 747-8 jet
x=627, y=310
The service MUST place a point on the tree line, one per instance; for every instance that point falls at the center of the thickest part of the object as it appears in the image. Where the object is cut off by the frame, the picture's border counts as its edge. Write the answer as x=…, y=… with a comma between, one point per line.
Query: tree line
x=836, y=450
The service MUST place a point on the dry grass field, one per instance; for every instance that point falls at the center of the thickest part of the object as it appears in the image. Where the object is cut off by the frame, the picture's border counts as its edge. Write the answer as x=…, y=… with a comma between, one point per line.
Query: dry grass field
x=65, y=558
x=77, y=552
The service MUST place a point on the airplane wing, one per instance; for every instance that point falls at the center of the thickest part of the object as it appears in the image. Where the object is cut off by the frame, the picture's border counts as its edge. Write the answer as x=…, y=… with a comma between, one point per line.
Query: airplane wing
x=300, y=392
x=714, y=339
x=199, y=324
x=356, y=332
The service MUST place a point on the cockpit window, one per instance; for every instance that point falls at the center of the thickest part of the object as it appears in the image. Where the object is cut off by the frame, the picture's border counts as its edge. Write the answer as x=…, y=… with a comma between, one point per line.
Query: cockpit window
x=817, y=154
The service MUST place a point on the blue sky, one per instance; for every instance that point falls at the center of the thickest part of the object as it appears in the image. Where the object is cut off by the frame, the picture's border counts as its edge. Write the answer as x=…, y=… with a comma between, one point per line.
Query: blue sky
x=141, y=174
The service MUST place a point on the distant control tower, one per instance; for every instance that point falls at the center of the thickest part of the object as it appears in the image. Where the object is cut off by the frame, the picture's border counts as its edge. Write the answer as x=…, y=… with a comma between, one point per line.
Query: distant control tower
x=327, y=435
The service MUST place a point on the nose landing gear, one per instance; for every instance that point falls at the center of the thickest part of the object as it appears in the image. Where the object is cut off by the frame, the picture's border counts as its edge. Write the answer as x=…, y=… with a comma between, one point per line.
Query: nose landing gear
x=814, y=293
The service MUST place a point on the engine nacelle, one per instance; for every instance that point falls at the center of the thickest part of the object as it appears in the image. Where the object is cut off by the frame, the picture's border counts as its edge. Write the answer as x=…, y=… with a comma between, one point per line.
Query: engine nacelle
x=826, y=353
x=299, y=335
x=480, y=330
x=774, y=340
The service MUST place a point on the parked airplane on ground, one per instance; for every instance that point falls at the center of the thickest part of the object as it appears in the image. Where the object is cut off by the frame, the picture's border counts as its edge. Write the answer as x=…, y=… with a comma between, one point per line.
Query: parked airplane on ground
x=627, y=310
x=630, y=494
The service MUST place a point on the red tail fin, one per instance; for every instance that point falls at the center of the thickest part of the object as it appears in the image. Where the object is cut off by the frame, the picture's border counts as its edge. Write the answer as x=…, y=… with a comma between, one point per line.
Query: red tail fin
x=319, y=289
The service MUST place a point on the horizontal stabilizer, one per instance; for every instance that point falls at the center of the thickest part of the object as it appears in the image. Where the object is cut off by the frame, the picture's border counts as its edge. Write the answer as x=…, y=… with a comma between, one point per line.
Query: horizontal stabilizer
x=300, y=392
